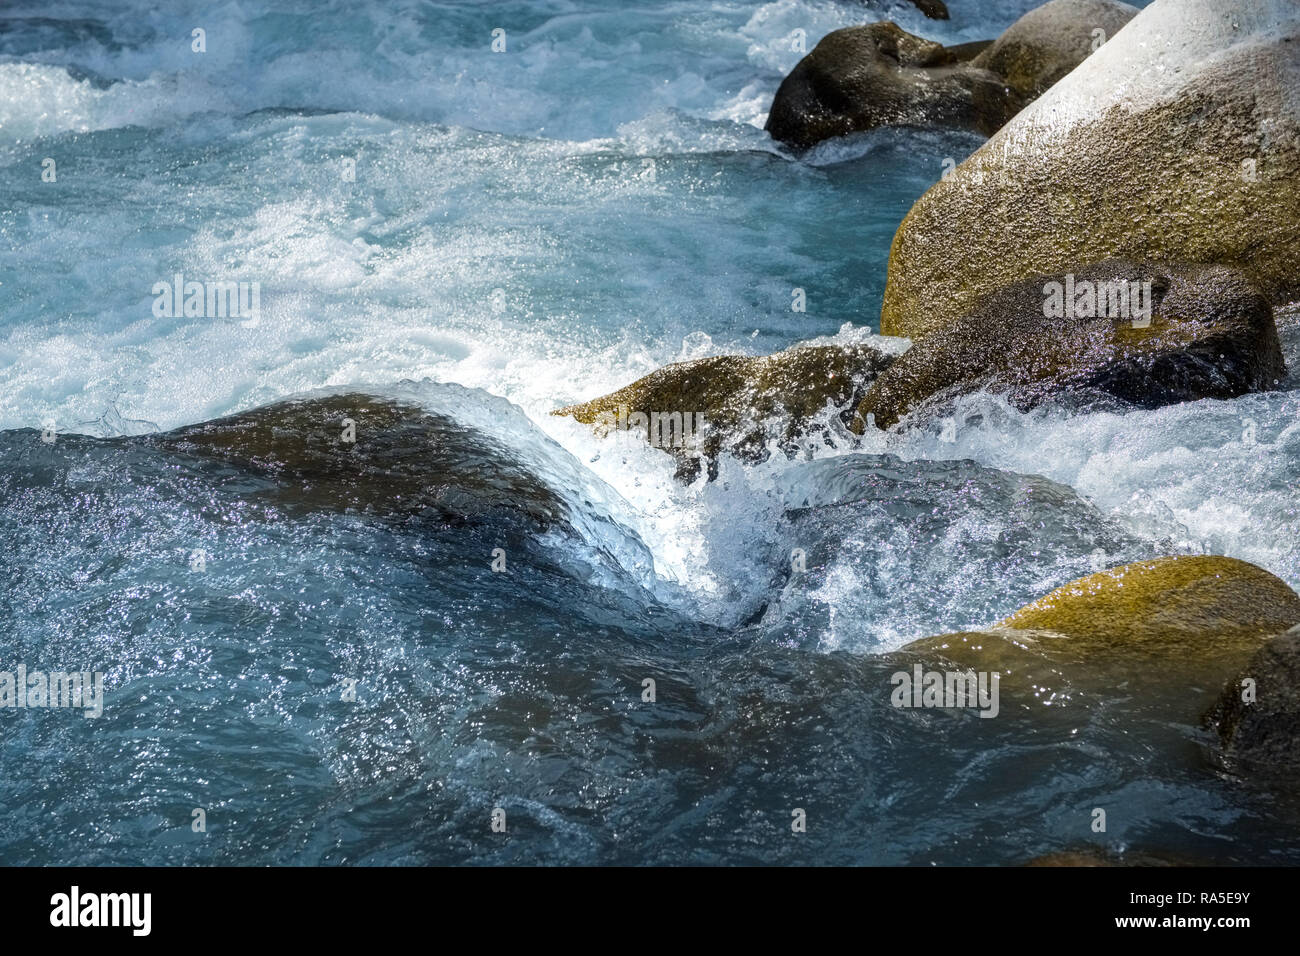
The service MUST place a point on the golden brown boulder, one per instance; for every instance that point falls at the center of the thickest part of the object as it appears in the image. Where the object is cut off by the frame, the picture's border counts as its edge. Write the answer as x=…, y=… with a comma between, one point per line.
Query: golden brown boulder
x=1177, y=141
x=1166, y=631
x=1049, y=41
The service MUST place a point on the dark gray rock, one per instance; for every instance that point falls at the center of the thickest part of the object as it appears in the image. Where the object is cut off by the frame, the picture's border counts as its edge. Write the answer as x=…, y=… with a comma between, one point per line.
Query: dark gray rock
x=860, y=78
x=1211, y=335
x=1262, y=738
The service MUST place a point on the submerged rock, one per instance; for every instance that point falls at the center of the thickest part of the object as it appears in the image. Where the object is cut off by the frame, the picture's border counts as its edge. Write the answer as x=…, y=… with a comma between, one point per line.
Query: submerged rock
x=1166, y=334
x=1098, y=856
x=1163, y=632
x=1178, y=141
x=859, y=78
x=362, y=453
x=744, y=402
x=1049, y=41
x=860, y=521
x=1259, y=723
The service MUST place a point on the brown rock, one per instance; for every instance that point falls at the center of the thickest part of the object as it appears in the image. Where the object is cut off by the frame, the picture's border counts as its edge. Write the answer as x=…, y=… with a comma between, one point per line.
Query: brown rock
x=1211, y=335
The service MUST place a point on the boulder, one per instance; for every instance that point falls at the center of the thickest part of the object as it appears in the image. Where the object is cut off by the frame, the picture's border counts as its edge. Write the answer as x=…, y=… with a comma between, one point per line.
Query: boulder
x=404, y=461
x=1049, y=41
x=1144, y=335
x=744, y=402
x=860, y=78
x=1177, y=141
x=1167, y=629
x=1165, y=606
x=1259, y=728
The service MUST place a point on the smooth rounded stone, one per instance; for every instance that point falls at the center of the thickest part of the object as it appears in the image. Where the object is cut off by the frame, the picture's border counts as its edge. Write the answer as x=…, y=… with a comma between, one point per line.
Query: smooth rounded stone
x=1261, y=738
x=744, y=402
x=1048, y=42
x=1162, y=633
x=1178, y=141
x=404, y=462
x=1210, y=334
x=1168, y=605
x=860, y=78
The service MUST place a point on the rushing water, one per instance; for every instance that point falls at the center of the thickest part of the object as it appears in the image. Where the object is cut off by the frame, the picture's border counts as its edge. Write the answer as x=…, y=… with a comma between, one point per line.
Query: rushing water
x=527, y=229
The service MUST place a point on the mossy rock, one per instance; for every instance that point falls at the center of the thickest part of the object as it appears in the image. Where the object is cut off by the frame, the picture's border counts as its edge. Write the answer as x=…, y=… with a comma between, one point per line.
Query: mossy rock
x=405, y=461
x=1261, y=737
x=1049, y=41
x=1163, y=632
x=745, y=402
x=1170, y=605
x=1211, y=334
x=860, y=78
x=1177, y=141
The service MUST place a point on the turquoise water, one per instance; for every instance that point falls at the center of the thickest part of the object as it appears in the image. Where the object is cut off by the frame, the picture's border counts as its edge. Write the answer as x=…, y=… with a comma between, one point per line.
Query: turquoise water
x=528, y=229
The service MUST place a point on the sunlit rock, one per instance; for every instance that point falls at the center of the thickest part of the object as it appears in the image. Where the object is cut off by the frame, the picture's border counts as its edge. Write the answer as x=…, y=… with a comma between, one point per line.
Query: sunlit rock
x=1178, y=140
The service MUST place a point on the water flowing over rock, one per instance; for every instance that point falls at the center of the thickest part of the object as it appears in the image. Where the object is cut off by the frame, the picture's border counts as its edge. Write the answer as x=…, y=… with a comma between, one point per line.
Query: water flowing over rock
x=744, y=402
x=369, y=454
